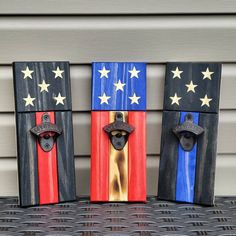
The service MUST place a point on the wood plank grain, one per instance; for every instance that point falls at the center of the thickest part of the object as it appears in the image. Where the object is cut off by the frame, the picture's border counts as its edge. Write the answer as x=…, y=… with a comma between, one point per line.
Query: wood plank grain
x=47, y=168
x=29, y=86
x=206, y=160
x=65, y=157
x=168, y=157
x=137, y=157
x=192, y=73
x=186, y=167
x=99, y=175
x=81, y=125
x=80, y=78
x=118, y=168
x=27, y=160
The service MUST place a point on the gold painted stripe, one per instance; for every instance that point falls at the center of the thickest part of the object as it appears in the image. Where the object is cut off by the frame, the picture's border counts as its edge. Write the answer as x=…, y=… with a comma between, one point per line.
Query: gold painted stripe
x=118, y=169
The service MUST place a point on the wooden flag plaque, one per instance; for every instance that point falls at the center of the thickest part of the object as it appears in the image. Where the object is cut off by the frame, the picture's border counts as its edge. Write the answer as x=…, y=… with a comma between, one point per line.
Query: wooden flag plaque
x=189, y=132
x=44, y=132
x=118, y=132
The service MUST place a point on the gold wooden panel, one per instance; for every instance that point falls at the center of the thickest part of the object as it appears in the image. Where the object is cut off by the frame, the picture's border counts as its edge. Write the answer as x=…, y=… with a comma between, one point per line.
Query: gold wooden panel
x=118, y=169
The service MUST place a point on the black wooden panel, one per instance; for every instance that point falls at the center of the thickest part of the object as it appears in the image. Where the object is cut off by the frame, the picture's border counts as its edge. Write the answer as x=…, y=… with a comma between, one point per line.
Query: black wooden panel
x=35, y=74
x=206, y=160
x=27, y=160
x=65, y=157
x=189, y=99
x=169, y=156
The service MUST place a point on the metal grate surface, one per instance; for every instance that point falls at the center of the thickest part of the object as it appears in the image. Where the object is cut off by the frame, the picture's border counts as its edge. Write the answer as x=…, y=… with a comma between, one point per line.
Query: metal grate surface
x=84, y=219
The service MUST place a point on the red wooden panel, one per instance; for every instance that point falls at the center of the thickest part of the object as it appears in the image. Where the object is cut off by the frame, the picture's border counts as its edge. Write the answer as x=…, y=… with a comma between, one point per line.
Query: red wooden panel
x=99, y=189
x=47, y=168
x=137, y=157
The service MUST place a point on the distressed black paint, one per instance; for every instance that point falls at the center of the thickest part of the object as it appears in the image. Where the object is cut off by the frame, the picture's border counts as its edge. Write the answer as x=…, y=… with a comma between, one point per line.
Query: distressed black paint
x=65, y=157
x=25, y=120
x=169, y=156
x=44, y=100
x=190, y=101
x=27, y=160
x=208, y=120
x=206, y=160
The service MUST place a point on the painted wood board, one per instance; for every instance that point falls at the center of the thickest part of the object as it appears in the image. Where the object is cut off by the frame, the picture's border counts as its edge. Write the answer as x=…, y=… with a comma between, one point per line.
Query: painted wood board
x=189, y=132
x=81, y=78
x=118, y=168
x=26, y=159
x=43, y=98
x=118, y=152
x=118, y=175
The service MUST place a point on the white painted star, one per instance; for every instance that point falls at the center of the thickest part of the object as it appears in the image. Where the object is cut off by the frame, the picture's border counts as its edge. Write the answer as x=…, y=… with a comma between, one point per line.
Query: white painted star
x=175, y=99
x=134, y=99
x=134, y=72
x=27, y=73
x=43, y=86
x=207, y=74
x=205, y=101
x=191, y=86
x=177, y=73
x=29, y=100
x=119, y=86
x=59, y=99
x=58, y=72
x=104, y=98
x=104, y=72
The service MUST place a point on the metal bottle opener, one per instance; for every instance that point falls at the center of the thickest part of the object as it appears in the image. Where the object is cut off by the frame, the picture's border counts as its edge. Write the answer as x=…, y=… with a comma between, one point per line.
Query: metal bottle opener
x=46, y=133
x=188, y=133
x=118, y=131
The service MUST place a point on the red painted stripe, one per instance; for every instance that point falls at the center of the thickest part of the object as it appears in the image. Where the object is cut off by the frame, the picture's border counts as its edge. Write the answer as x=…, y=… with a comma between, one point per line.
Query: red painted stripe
x=137, y=157
x=99, y=189
x=47, y=169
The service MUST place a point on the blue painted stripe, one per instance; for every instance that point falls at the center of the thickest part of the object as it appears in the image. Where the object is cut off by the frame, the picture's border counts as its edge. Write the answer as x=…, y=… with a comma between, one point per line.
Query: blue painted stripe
x=186, y=168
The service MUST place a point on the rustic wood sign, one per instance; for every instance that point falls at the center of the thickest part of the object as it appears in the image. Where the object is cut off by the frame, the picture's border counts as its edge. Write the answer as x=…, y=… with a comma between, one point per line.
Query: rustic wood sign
x=118, y=132
x=189, y=132
x=44, y=132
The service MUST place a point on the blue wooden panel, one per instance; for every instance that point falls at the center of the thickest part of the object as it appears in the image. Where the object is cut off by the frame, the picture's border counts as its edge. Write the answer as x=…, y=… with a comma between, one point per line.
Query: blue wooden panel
x=186, y=167
x=119, y=86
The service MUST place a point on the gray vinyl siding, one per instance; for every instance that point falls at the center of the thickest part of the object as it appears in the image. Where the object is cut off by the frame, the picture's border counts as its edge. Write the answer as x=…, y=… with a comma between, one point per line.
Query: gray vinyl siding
x=148, y=31
x=53, y=7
